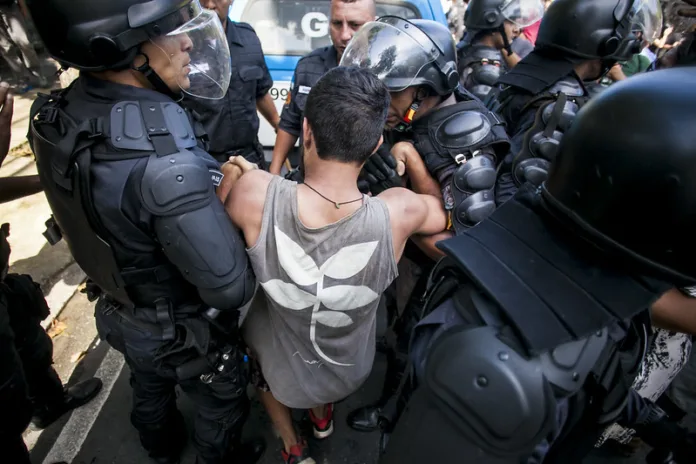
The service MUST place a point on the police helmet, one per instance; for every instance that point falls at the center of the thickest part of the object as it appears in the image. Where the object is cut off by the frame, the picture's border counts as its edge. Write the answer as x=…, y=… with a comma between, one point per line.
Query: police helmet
x=107, y=35
x=625, y=173
x=484, y=15
x=406, y=53
x=599, y=29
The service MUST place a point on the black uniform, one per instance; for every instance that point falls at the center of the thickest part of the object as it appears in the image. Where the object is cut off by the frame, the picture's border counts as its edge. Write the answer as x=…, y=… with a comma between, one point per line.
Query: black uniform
x=540, y=97
x=537, y=320
x=232, y=123
x=534, y=122
x=481, y=65
x=146, y=199
x=307, y=72
x=132, y=191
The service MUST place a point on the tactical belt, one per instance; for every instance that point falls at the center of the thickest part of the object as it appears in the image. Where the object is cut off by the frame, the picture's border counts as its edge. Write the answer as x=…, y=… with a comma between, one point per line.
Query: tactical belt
x=163, y=330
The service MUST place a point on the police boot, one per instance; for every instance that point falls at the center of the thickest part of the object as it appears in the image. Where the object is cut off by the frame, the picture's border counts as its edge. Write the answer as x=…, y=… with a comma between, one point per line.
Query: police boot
x=74, y=397
x=367, y=418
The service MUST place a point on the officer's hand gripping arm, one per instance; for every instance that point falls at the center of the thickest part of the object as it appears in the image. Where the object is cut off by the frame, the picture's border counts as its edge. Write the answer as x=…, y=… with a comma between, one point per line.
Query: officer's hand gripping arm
x=380, y=171
x=195, y=232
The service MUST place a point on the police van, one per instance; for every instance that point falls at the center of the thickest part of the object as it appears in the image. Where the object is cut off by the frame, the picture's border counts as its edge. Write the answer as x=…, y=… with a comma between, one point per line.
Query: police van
x=290, y=29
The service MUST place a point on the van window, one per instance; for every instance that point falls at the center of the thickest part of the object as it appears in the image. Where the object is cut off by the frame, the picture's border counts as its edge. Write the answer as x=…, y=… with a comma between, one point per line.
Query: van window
x=292, y=27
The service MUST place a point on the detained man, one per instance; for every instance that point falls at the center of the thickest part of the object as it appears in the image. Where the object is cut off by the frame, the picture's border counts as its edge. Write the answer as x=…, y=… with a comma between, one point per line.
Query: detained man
x=323, y=253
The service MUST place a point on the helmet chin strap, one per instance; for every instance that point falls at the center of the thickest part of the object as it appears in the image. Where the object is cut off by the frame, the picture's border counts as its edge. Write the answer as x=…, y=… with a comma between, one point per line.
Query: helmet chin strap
x=407, y=119
x=155, y=80
x=506, y=43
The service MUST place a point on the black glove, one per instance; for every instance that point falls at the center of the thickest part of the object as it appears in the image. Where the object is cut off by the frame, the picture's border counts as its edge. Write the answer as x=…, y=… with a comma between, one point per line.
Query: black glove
x=295, y=175
x=380, y=171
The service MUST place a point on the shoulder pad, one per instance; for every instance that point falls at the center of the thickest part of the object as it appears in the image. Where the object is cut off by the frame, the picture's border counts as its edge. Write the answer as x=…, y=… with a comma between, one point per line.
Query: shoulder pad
x=463, y=129
x=496, y=396
x=568, y=86
x=128, y=131
x=177, y=183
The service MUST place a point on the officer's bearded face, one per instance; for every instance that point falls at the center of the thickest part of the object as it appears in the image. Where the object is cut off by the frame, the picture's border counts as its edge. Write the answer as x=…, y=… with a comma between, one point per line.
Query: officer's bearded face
x=346, y=19
x=169, y=58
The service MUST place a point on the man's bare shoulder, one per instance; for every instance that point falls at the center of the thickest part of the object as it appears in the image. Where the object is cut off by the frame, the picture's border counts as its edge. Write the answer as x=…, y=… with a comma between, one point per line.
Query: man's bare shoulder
x=397, y=198
x=249, y=191
x=400, y=203
x=256, y=180
x=396, y=194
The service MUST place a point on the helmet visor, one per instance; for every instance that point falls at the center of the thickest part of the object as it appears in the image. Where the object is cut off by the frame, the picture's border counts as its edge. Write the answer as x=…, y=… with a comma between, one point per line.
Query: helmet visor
x=523, y=13
x=199, y=54
x=647, y=18
x=393, y=55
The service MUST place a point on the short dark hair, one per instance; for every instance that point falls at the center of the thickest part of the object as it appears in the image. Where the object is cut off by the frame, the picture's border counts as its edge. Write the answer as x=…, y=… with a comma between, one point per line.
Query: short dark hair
x=346, y=110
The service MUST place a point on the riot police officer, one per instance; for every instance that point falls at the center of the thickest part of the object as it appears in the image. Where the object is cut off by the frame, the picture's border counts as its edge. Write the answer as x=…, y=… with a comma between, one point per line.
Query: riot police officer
x=579, y=41
x=486, y=51
x=133, y=193
x=460, y=141
x=538, y=317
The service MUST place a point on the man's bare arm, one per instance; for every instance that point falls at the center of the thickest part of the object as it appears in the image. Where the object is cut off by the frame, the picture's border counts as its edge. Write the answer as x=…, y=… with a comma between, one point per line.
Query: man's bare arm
x=421, y=182
x=411, y=213
x=675, y=311
x=283, y=144
x=243, y=192
x=428, y=244
x=268, y=110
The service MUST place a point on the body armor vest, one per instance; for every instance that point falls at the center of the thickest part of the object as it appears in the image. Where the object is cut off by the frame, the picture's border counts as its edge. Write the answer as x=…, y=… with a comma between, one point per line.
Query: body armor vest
x=129, y=268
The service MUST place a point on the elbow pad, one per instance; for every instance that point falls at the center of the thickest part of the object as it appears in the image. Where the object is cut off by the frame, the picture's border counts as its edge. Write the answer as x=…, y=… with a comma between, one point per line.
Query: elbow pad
x=194, y=230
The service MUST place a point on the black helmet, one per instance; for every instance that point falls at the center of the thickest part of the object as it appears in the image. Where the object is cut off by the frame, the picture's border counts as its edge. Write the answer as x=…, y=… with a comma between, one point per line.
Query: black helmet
x=625, y=173
x=599, y=29
x=406, y=53
x=107, y=35
x=484, y=15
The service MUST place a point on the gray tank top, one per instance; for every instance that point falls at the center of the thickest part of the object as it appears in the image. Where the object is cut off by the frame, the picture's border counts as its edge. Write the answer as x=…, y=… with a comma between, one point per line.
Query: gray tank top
x=312, y=327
